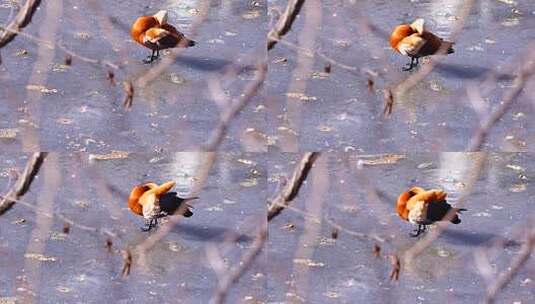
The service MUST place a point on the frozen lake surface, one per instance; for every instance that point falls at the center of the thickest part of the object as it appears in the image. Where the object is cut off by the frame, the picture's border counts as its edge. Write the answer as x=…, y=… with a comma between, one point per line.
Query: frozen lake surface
x=308, y=266
x=337, y=111
x=76, y=108
x=39, y=259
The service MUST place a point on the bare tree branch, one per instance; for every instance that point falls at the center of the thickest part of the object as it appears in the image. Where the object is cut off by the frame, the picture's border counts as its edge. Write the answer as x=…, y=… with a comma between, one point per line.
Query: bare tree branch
x=127, y=263
x=288, y=193
x=291, y=189
x=320, y=183
x=285, y=22
x=358, y=71
x=505, y=277
x=396, y=268
x=23, y=182
x=129, y=94
x=236, y=105
x=526, y=71
x=23, y=18
x=53, y=45
x=67, y=221
x=234, y=274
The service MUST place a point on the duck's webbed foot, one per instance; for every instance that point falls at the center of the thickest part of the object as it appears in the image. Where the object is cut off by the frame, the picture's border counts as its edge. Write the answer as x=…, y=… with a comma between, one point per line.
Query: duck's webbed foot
x=414, y=62
x=149, y=224
x=148, y=60
x=153, y=56
x=418, y=231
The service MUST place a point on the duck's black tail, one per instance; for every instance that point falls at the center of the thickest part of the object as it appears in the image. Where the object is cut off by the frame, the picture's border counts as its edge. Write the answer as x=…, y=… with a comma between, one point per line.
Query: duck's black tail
x=170, y=203
x=187, y=211
x=456, y=219
x=450, y=47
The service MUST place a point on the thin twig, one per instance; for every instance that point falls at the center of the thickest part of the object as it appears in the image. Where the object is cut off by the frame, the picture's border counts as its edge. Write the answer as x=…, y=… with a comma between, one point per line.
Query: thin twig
x=376, y=250
x=289, y=137
x=54, y=46
x=23, y=18
x=505, y=277
x=236, y=106
x=127, y=263
x=320, y=183
x=23, y=182
x=333, y=224
x=291, y=189
x=526, y=71
x=129, y=94
x=51, y=180
x=67, y=221
x=389, y=102
x=396, y=267
x=285, y=22
x=360, y=235
x=316, y=53
x=234, y=274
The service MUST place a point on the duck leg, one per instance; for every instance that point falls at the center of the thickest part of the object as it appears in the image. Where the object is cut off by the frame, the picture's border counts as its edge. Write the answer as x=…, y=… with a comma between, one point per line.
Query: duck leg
x=150, y=58
x=418, y=231
x=412, y=64
x=154, y=55
x=149, y=224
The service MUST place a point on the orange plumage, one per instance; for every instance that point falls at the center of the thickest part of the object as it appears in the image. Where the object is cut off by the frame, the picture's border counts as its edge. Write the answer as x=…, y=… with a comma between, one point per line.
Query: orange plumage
x=424, y=207
x=414, y=41
x=133, y=199
x=153, y=201
x=156, y=34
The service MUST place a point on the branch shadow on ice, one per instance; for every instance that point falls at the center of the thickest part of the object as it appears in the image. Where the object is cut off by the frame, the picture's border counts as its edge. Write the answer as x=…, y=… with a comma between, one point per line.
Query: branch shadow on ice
x=467, y=238
x=211, y=64
x=204, y=64
x=459, y=71
x=210, y=234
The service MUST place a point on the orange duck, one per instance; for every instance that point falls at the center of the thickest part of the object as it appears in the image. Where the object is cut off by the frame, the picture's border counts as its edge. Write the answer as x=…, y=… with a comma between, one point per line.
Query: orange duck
x=153, y=201
x=414, y=41
x=424, y=207
x=156, y=34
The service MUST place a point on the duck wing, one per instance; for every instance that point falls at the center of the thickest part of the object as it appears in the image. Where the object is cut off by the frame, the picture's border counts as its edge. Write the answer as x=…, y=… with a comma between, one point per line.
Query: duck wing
x=175, y=38
x=432, y=44
x=411, y=45
x=170, y=202
x=438, y=210
x=427, y=207
x=157, y=35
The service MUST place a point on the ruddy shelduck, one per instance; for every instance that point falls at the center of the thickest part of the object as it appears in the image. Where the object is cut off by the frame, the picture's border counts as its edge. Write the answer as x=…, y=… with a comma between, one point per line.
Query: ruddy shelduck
x=153, y=201
x=156, y=34
x=415, y=41
x=424, y=207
